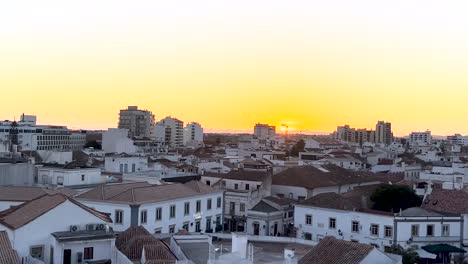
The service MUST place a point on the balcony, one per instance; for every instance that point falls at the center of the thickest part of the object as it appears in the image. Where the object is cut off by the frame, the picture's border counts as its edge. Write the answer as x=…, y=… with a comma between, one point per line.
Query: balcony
x=436, y=239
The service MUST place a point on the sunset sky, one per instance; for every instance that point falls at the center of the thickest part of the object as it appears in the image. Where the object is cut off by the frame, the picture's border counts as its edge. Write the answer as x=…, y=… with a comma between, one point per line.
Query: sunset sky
x=229, y=64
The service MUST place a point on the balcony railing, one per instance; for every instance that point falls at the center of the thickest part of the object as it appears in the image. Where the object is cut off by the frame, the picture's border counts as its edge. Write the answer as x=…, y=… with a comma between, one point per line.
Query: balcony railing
x=436, y=239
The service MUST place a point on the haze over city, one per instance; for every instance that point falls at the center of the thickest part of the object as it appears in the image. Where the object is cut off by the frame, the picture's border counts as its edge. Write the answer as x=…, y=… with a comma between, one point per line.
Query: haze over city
x=228, y=65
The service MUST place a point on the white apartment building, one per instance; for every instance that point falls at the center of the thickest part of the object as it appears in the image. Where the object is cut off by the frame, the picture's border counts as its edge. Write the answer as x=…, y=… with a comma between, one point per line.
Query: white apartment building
x=167, y=208
x=420, y=138
x=27, y=135
x=171, y=130
x=193, y=134
x=116, y=140
x=138, y=122
x=58, y=229
x=264, y=131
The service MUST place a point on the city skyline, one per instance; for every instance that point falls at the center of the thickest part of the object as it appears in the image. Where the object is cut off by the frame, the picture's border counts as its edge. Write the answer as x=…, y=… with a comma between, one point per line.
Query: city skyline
x=312, y=65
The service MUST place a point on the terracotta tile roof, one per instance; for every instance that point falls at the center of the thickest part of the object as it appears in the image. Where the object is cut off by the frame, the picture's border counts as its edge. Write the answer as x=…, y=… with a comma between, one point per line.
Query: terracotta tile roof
x=241, y=175
x=7, y=254
x=356, y=200
x=159, y=253
x=132, y=241
x=280, y=200
x=147, y=193
x=333, y=251
x=312, y=177
x=19, y=216
x=333, y=201
x=447, y=201
x=24, y=194
x=107, y=191
x=264, y=208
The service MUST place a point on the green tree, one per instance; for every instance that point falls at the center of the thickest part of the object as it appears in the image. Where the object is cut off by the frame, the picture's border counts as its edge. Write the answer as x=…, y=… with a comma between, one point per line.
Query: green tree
x=392, y=198
x=409, y=256
x=298, y=147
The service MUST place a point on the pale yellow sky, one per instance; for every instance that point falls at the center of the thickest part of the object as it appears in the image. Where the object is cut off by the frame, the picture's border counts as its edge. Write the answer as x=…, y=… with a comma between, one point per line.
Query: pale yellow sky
x=230, y=64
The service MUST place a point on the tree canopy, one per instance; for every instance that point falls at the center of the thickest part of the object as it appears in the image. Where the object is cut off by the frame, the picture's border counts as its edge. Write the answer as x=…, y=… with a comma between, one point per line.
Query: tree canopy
x=392, y=198
x=298, y=147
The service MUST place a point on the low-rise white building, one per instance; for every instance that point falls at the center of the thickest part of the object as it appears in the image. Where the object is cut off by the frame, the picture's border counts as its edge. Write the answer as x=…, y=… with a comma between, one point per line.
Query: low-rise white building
x=58, y=229
x=166, y=208
x=69, y=175
x=116, y=140
x=125, y=163
x=303, y=182
x=243, y=189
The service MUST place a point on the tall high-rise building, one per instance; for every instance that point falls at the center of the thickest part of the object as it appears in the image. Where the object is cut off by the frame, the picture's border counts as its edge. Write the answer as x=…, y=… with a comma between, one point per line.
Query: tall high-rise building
x=264, y=131
x=383, y=133
x=193, y=134
x=171, y=130
x=139, y=123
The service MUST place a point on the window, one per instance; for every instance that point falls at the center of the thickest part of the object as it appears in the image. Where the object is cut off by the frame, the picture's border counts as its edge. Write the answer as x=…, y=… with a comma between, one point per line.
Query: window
x=236, y=186
x=82, y=177
x=247, y=186
x=415, y=230
x=291, y=195
x=171, y=229
x=158, y=214
x=143, y=216
x=198, y=207
x=133, y=167
x=218, y=219
x=301, y=198
x=37, y=252
x=332, y=223
x=88, y=253
x=60, y=180
x=121, y=168
x=308, y=219
x=388, y=231
x=208, y=224
x=172, y=211
x=186, y=226
x=258, y=186
x=197, y=226
x=430, y=230
x=118, y=216
x=208, y=204
x=242, y=207
x=158, y=231
x=445, y=230
x=232, y=206
x=208, y=183
x=374, y=230
x=355, y=226
x=218, y=202
x=187, y=208
x=307, y=236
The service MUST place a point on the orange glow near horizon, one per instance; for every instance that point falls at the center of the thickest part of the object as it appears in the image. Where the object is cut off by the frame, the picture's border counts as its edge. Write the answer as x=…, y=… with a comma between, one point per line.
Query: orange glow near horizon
x=231, y=64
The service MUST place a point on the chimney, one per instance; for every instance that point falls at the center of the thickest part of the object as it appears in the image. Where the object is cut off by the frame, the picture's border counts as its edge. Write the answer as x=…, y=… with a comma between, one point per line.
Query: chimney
x=364, y=202
x=239, y=245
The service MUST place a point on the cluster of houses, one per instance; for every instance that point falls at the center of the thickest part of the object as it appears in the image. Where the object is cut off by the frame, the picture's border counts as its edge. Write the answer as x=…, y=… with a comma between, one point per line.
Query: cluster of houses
x=94, y=205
